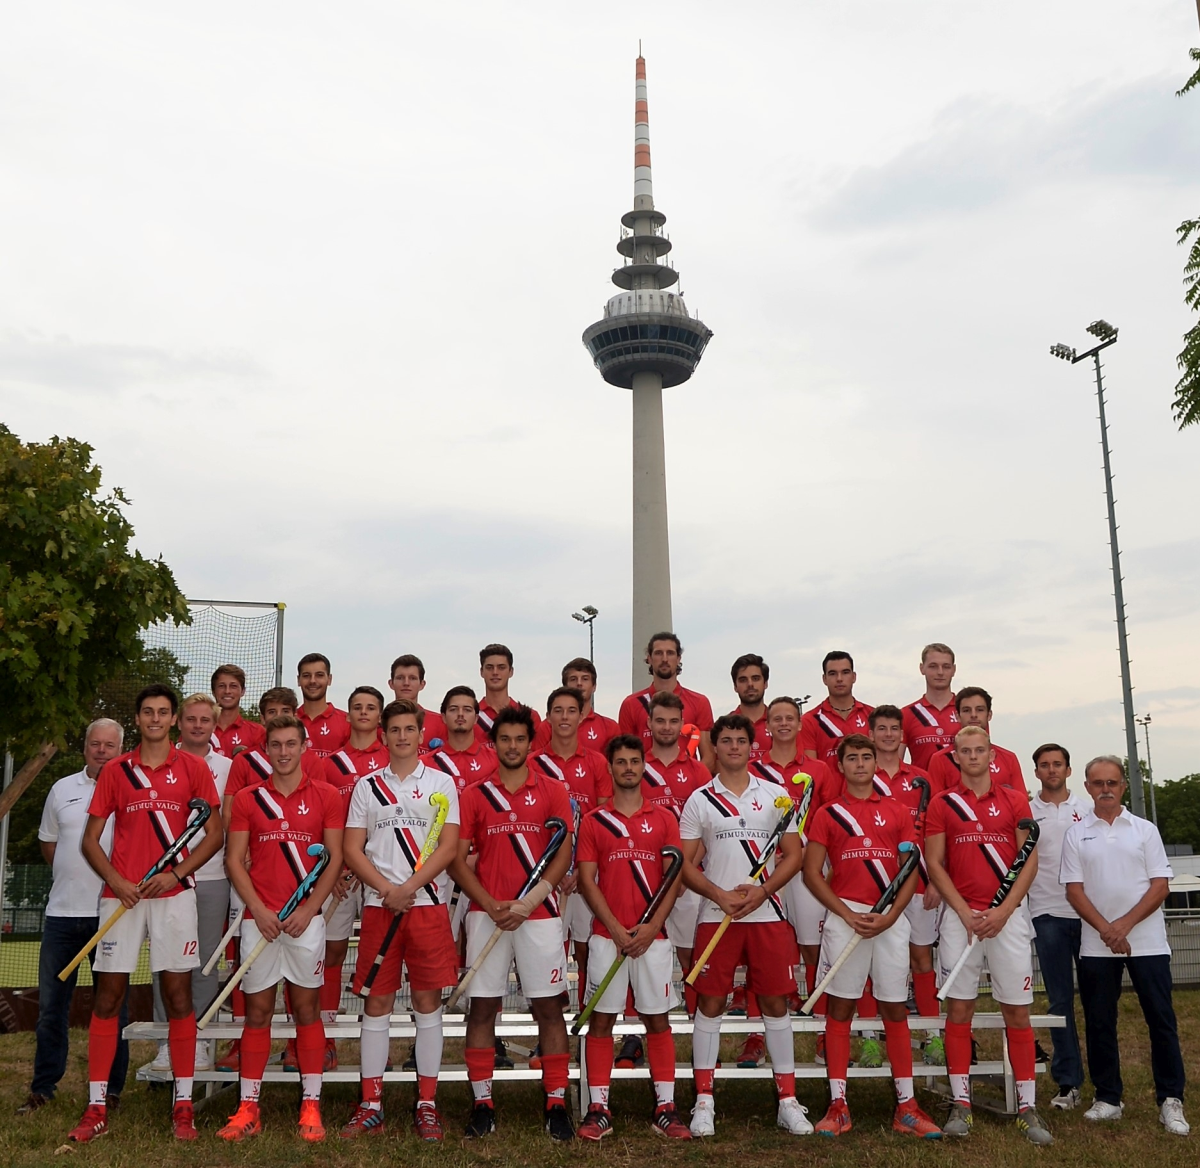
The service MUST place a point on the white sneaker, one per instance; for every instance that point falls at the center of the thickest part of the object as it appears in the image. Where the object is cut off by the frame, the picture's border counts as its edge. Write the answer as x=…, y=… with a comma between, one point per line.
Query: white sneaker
x=702, y=1117
x=793, y=1117
x=204, y=1054
x=1067, y=1099
x=1170, y=1115
x=1105, y=1111
x=162, y=1060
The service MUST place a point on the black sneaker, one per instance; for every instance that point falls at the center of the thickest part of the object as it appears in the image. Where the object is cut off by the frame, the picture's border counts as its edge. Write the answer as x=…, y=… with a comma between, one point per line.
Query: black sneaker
x=503, y=1061
x=595, y=1125
x=410, y=1063
x=558, y=1123
x=482, y=1122
x=32, y=1103
x=112, y=1102
x=632, y=1053
x=1039, y=1055
x=974, y=1053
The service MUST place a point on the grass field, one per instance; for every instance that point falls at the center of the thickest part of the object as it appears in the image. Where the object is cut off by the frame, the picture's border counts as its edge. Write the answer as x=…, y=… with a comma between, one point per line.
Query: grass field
x=746, y=1136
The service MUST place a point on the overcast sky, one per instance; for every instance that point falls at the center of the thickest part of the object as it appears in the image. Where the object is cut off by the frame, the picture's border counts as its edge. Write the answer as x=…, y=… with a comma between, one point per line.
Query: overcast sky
x=312, y=281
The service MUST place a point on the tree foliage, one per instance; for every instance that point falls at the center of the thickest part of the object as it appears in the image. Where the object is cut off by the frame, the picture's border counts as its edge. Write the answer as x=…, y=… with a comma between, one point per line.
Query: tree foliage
x=1186, y=406
x=1179, y=811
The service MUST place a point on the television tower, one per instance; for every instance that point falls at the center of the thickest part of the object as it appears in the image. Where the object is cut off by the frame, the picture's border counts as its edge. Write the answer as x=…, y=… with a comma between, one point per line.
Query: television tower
x=646, y=340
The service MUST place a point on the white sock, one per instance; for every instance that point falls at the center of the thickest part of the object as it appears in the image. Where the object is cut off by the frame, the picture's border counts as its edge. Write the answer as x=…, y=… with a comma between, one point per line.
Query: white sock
x=664, y=1094
x=482, y=1090
x=780, y=1043
x=904, y=1090
x=329, y=1017
x=960, y=1089
x=183, y=1090
x=310, y=1086
x=1026, y=1093
x=599, y=1096
x=865, y=1034
x=837, y=1089
x=98, y=1094
x=250, y=1089
x=429, y=1042
x=374, y=1042
x=706, y=1041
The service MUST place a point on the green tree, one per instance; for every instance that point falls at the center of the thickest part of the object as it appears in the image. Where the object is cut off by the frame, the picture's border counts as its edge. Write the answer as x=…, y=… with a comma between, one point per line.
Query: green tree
x=1179, y=811
x=1186, y=406
x=74, y=596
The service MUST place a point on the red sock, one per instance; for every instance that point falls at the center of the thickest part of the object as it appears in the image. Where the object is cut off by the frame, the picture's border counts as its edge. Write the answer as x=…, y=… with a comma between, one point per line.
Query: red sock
x=752, y=1007
x=554, y=1076
x=481, y=1066
x=925, y=992
x=237, y=1001
x=690, y=999
x=310, y=1047
x=600, y=1060
x=785, y=1084
x=899, y=1048
x=103, y=1036
x=867, y=1006
x=958, y=1048
x=255, y=1051
x=660, y=1054
x=372, y=1090
x=810, y=979
x=181, y=1037
x=703, y=1081
x=427, y=1088
x=837, y=1048
x=1021, y=1052
x=331, y=990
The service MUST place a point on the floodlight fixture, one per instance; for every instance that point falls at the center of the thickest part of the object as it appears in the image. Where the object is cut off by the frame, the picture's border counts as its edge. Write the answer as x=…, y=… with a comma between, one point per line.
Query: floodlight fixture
x=1064, y=352
x=1101, y=330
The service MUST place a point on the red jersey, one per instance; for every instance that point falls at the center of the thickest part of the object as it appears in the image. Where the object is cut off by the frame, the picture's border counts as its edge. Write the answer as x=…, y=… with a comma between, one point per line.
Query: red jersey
x=981, y=836
x=149, y=806
x=239, y=735
x=862, y=839
x=585, y=774
x=829, y=784
x=671, y=784
x=251, y=767
x=762, y=736
x=634, y=716
x=487, y=715
x=1006, y=770
x=595, y=733
x=822, y=728
x=928, y=729
x=904, y=791
x=510, y=833
x=627, y=851
x=466, y=767
x=343, y=769
x=281, y=828
x=432, y=727
x=327, y=733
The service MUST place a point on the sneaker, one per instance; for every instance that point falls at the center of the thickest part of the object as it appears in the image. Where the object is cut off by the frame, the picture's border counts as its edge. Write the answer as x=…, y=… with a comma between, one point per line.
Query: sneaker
x=535, y=1058
x=596, y=1124
x=92, y=1126
x=112, y=1101
x=836, y=1121
x=410, y=1063
x=1170, y=1115
x=933, y=1051
x=960, y=1121
x=793, y=1118
x=330, y=1061
x=162, y=1058
x=974, y=1053
x=32, y=1102
x=231, y=1060
x=204, y=1054
x=910, y=1120
x=311, y=1128
x=753, y=1052
x=794, y=1004
x=1039, y=1053
x=366, y=1121
x=1067, y=1099
x=632, y=1053
x=482, y=1122
x=291, y=1061
x=819, y=1057
x=243, y=1123
x=183, y=1120
x=737, y=1007
x=702, y=1117
x=558, y=1123
x=503, y=1058
x=1036, y=1131
x=427, y=1123
x=870, y=1054
x=1101, y=1112
x=667, y=1123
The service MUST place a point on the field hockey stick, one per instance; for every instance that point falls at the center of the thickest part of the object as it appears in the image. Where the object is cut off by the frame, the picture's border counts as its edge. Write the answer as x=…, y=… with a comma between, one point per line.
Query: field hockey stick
x=294, y=901
x=784, y=802
x=230, y=933
x=1010, y=878
x=332, y=906
x=441, y=807
x=668, y=882
x=185, y=837
x=552, y=848
x=912, y=857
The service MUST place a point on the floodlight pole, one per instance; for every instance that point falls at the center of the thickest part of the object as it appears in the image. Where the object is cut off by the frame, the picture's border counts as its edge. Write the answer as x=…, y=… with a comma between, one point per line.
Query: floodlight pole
x=1145, y=725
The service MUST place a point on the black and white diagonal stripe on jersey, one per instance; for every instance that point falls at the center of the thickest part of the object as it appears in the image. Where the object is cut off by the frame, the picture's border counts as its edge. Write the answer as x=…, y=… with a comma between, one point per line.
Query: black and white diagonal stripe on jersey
x=550, y=767
x=766, y=771
x=158, y=821
x=881, y=787
x=653, y=777
x=924, y=716
x=644, y=698
x=258, y=764
x=828, y=725
x=611, y=823
x=845, y=820
x=445, y=763
x=528, y=861
x=752, y=850
x=724, y=809
x=963, y=808
x=383, y=796
x=495, y=796
x=291, y=853
x=487, y=720
x=412, y=854
x=343, y=762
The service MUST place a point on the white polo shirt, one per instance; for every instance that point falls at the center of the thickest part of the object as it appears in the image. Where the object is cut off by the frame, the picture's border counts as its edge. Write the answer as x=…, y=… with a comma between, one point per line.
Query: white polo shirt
x=218, y=764
x=76, y=888
x=1115, y=865
x=1047, y=897
x=734, y=830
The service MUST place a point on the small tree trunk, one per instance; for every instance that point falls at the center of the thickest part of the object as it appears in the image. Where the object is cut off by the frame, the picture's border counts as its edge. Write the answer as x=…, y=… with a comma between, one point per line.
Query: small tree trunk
x=25, y=776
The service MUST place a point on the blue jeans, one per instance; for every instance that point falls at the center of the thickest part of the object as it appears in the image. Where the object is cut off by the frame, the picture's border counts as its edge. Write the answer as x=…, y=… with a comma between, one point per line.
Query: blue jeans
x=62, y=938
x=1057, y=942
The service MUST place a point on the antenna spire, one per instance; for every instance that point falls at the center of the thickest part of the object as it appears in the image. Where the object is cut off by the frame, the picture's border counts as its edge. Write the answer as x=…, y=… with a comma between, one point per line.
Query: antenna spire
x=643, y=188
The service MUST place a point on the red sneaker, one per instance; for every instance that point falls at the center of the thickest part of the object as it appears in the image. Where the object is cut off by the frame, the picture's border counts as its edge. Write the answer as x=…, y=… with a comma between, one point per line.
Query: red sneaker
x=330, y=1063
x=231, y=1060
x=183, y=1120
x=92, y=1126
x=243, y=1123
x=535, y=1058
x=910, y=1120
x=596, y=1124
x=291, y=1060
x=819, y=1057
x=427, y=1123
x=737, y=1006
x=753, y=1052
x=366, y=1121
x=836, y=1121
x=667, y=1123
x=311, y=1127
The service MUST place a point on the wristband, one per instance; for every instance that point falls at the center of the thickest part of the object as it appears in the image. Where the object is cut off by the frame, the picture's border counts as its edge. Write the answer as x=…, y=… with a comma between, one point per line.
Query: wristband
x=181, y=880
x=535, y=896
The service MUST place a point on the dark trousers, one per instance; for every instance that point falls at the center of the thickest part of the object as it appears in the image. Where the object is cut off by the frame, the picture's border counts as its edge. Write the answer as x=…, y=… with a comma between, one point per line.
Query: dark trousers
x=1057, y=942
x=62, y=938
x=1100, y=990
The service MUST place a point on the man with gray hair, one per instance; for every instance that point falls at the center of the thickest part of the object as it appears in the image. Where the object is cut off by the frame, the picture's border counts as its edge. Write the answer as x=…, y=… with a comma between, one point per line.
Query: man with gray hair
x=72, y=915
x=1116, y=873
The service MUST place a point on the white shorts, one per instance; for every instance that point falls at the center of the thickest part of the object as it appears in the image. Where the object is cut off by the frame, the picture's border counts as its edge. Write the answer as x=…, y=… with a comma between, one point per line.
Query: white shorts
x=458, y=914
x=805, y=912
x=577, y=919
x=1009, y=960
x=681, y=921
x=301, y=960
x=340, y=926
x=169, y=922
x=650, y=976
x=922, y=921
x=536, y=947
x=884, y=959
x=235, y=905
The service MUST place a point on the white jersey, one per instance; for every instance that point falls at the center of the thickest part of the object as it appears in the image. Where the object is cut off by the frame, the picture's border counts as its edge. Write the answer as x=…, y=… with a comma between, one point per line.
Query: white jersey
x=219, y=766
x=397, y=815
x=734, y=830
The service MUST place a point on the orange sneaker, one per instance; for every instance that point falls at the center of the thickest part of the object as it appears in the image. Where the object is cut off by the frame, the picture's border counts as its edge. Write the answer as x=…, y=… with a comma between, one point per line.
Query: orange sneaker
x=910, y=1120
x=836, y=1121
x=183, y=1120
x=366, y=1121
x=243, y=1123
x=311, y=1127
x=330, y=1063
x=427, y=1123
x=92, y=1126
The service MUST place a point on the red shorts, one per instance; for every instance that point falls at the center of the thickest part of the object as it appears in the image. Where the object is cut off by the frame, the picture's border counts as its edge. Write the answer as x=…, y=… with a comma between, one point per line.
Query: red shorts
x=767, y=950
x=423, y=943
